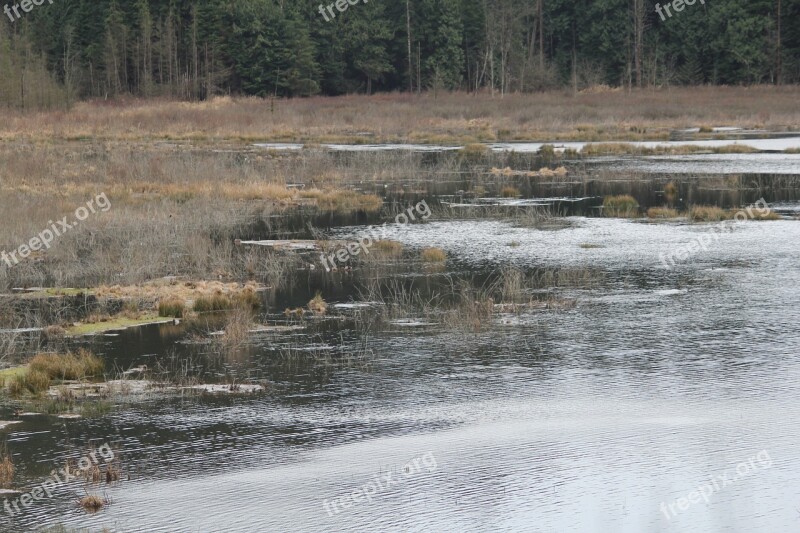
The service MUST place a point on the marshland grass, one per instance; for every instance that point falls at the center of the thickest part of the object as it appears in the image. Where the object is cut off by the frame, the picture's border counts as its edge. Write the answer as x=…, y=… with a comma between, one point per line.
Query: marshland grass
x=7, y=470
x=662, y=213
x=443, y=117
x=219, y=301
x=390, y=248
x=43, y=369
x=705, y=213
x=433, y=255
x=172, y=307
x=93, y=503
x=772, y=215
x=318, y=305
x=68, y=366
x=624, y=206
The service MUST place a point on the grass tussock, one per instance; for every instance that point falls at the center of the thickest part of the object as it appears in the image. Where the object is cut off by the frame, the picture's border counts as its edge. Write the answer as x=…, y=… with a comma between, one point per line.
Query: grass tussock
x=624, y=206
x=67, y=366
x=609, y=149
x=172, y=307
x=220, y=301
x=433, y=255
x=735, y=149
x=475, y=151
x=510, y=191
x=318, y=305
x=92, y=503
x=661, y=213
x=708, y=213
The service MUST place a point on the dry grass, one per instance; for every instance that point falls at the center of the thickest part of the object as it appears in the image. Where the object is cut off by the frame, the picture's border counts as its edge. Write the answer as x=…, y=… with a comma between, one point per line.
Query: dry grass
x=615, y=115
x=69, y=366
x=172, y=307
x=433, y=255
x=771, y=215
x=6, y=471
x=624, y=206
x=343, y=201
x=510, y=191
x=734, y=149
x=390, y=248
x=238, y=324
x=703, y=213
x=92, y=503
x=661, y=212
x=317, y=305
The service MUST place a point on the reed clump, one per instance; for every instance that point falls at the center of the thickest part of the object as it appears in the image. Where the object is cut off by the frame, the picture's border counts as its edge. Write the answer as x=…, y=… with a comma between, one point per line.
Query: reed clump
x=708, y=213
x=661, y=213
x=172, y=307
x=318, y=305
x=624, y=206
x=219, y=301
x=92, y=503
x=69, y=366
x=433, y=255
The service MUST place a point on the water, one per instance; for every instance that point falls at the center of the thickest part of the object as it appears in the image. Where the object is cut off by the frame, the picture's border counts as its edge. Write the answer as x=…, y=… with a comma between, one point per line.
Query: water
x=760, y=144
x=583, y=418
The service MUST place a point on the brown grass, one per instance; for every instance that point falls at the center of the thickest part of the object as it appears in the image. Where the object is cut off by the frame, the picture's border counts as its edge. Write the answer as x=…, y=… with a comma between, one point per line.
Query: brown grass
x=772, y=215
x=68, y=366
x=92, y=503
x=172, y=307
x=661, y=212
x=616, y=115
x=433, y=255
x=6, y=471
x=317, y=305
x=510, y=192
x=624, y=206
x=703, y=213
x=392, y=248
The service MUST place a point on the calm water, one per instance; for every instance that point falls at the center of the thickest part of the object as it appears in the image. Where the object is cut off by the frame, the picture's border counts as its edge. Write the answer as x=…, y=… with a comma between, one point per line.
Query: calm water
x=584, y=419
x=605, y=416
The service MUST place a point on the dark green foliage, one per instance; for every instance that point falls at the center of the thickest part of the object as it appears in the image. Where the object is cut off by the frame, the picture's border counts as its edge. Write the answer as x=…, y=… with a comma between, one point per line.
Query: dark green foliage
x=195, y=49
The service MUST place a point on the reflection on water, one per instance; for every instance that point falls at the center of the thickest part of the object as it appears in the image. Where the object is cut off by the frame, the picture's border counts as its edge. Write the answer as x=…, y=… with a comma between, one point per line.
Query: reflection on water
x=583, y=419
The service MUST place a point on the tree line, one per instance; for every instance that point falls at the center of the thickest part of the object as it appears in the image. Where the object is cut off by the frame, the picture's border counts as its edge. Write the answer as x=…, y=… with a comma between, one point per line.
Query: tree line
x=76, y=49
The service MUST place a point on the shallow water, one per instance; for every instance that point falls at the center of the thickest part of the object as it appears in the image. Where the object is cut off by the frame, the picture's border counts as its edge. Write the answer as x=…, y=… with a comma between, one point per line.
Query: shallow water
x=719, y=164
x=582, y=419
x=762, y=144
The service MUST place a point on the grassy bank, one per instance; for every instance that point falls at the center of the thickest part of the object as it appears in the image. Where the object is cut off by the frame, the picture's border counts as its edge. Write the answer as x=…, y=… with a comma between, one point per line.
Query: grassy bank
x=456, y=117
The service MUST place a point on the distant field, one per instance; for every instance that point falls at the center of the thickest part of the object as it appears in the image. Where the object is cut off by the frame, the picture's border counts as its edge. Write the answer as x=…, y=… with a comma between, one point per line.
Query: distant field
x=448, y=118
